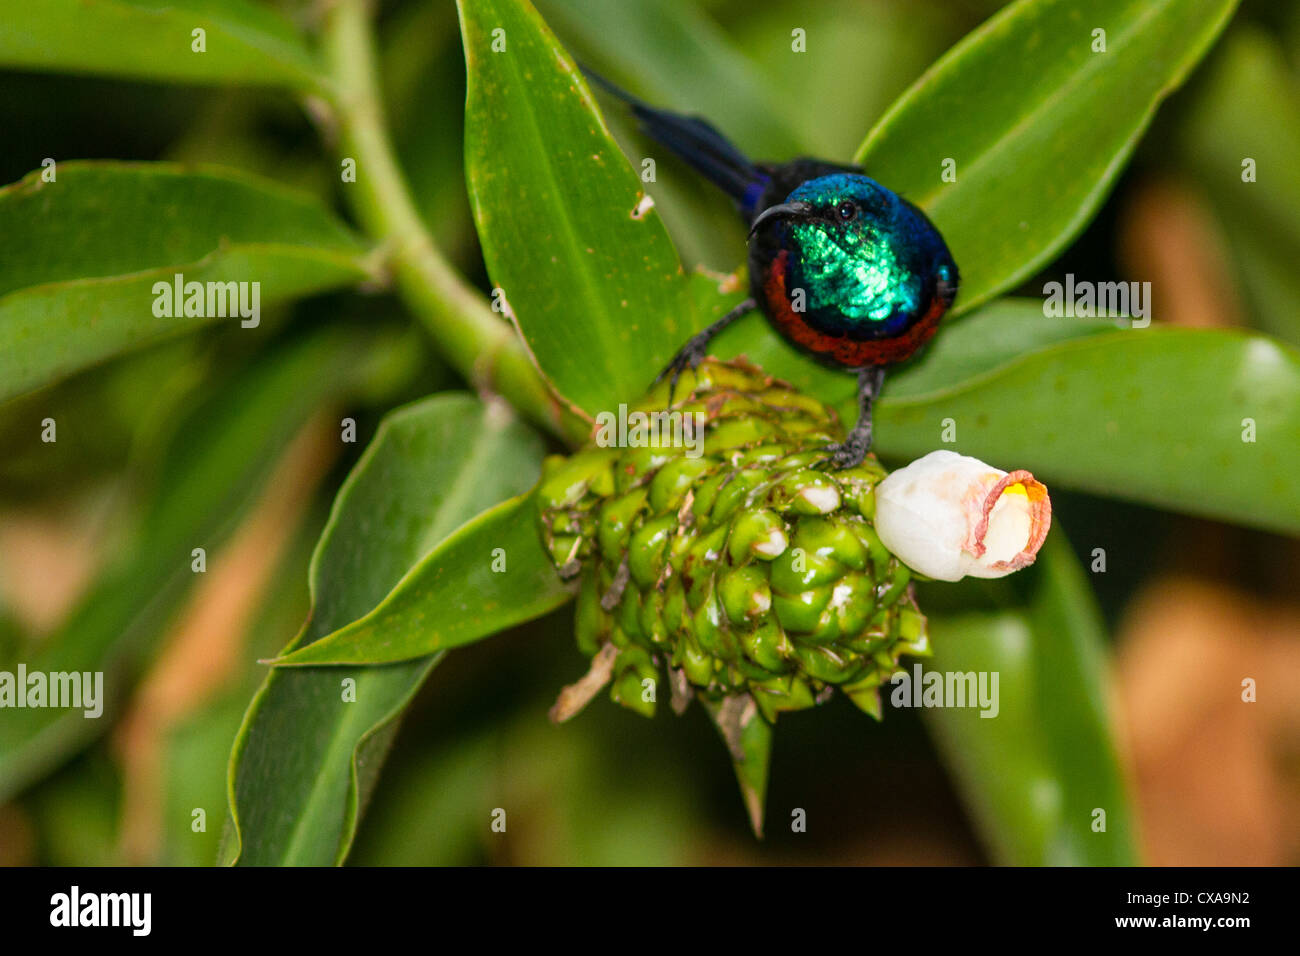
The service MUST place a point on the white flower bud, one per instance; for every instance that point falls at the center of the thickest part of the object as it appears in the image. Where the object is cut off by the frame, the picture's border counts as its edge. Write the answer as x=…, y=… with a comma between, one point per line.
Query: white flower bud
x=947, y=516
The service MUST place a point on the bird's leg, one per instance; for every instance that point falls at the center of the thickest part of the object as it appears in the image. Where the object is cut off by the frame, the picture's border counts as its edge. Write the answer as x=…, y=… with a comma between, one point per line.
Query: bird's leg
x=854, y=448
x=692, y=353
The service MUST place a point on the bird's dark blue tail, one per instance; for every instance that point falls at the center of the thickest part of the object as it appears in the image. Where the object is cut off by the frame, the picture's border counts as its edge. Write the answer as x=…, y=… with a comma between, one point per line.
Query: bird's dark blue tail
x=698, y=143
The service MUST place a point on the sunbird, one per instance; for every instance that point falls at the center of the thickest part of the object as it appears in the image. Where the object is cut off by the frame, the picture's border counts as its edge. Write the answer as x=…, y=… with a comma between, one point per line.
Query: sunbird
x=842, y=267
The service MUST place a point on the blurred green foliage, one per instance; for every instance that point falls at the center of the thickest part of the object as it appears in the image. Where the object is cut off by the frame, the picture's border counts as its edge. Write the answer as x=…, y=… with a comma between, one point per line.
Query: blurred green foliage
x=172, y=441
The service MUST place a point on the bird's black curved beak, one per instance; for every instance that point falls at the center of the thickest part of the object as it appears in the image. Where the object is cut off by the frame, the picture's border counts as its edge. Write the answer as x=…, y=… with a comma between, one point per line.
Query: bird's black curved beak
x=785, y=210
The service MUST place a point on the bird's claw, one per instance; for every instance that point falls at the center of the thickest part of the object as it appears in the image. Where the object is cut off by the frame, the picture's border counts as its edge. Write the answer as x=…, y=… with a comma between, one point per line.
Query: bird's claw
x=846, y=454
x=689, y=357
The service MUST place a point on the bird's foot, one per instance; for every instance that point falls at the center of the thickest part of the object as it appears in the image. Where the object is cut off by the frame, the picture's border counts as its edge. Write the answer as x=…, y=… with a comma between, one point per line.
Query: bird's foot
x=692, y=353
x=688, y=357
x=848, y=453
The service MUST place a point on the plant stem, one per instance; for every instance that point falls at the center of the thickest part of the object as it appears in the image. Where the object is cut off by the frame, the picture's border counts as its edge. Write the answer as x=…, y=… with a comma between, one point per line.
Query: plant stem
x=478, y=343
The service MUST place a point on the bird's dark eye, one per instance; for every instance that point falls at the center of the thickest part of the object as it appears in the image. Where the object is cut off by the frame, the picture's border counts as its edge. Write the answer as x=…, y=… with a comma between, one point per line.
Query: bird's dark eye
x=847, y=210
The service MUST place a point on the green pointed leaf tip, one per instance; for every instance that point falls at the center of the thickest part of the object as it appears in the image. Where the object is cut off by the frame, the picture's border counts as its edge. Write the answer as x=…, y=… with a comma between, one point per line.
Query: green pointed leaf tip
x=748, y=738
x=1032, y=120
x=242, y=41
x=579, y=254
x=490, y=575
x=306, y=758
x=80, y=257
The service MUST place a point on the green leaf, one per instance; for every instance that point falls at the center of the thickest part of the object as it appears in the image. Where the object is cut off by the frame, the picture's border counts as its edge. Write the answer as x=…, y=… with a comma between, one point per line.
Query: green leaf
x=1197, y=420
x=307, y=756
x=223, y=450
x=749, y=741
x=1034, y=774
x=80, y=257
x=244, y=42
x=589, y=274
x=492, y=574
x=1037, y=124
x=998, y=334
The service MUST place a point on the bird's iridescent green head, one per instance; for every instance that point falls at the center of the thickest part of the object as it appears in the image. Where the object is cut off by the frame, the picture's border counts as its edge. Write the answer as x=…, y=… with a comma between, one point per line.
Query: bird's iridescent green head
x=869, y=263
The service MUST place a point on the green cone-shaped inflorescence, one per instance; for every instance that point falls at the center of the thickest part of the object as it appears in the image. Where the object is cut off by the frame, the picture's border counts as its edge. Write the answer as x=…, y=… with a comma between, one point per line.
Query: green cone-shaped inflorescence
x=732, y=558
